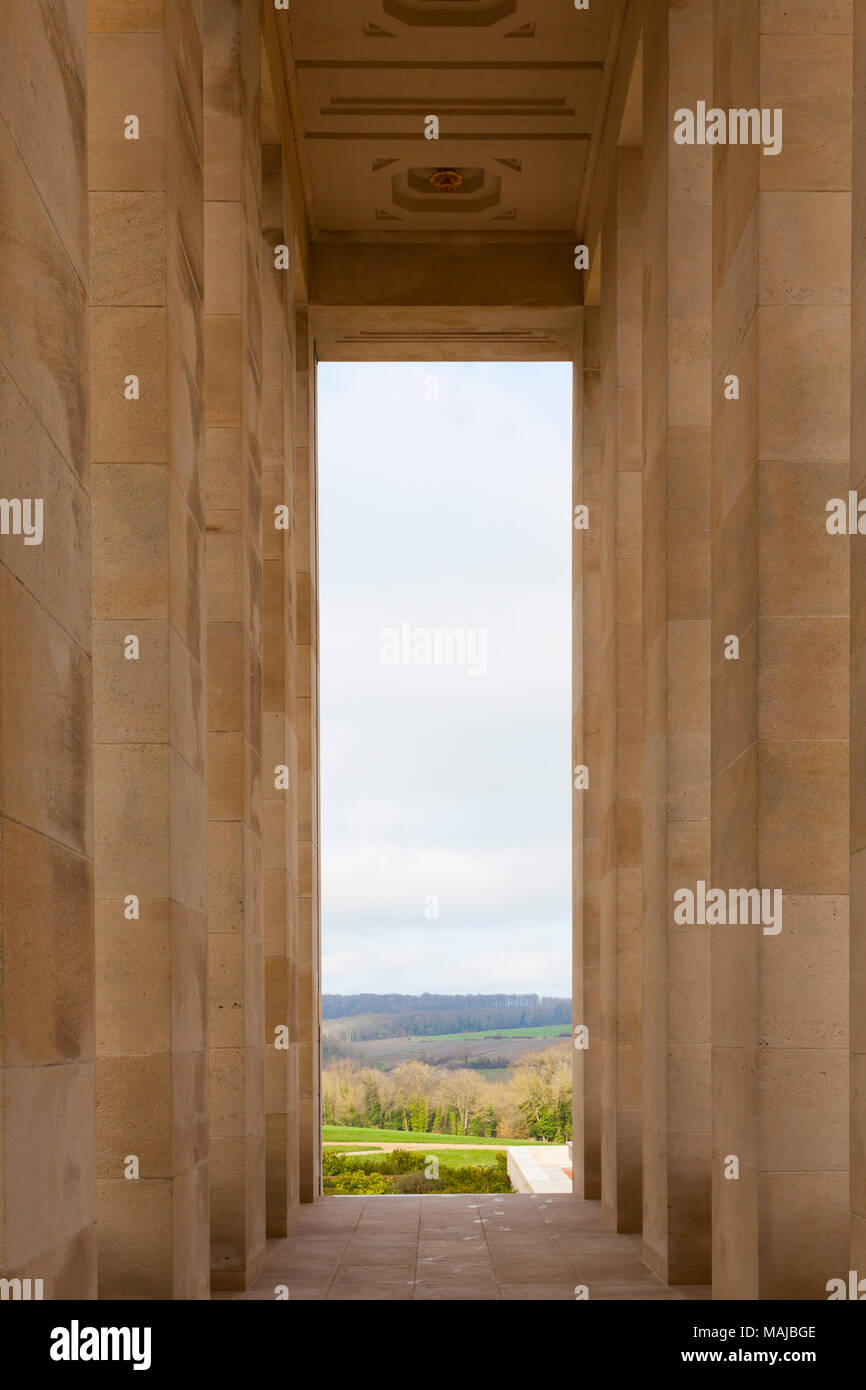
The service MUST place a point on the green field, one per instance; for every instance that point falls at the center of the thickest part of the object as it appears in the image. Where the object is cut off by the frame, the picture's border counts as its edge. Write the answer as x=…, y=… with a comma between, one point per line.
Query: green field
x=547, y=1030
x=476, y=1049
x=341, y=1134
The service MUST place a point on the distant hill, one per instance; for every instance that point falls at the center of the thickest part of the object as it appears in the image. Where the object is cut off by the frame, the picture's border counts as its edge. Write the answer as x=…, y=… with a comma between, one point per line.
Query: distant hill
x=357, y=1017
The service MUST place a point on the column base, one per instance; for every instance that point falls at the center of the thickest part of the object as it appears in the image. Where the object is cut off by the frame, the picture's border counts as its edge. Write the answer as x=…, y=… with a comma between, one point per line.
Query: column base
x=676, y=1274
x=625, y=1223
x=238, y=1280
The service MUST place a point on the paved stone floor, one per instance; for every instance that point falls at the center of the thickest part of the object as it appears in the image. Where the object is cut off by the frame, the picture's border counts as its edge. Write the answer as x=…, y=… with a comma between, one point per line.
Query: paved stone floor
x=458, y=1248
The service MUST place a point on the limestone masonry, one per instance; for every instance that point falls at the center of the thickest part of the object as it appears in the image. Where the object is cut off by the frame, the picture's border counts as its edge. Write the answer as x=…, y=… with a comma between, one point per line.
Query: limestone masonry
x=201, y=199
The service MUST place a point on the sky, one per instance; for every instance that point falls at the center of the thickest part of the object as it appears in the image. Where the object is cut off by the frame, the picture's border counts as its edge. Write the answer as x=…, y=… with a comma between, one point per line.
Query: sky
x=445, y=649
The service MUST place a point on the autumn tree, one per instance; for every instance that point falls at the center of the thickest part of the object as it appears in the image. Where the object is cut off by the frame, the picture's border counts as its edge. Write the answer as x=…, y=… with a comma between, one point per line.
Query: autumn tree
x=541, y=1085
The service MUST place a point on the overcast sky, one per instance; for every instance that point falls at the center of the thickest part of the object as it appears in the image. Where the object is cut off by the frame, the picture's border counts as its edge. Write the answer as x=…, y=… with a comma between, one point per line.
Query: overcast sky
x=445, y=506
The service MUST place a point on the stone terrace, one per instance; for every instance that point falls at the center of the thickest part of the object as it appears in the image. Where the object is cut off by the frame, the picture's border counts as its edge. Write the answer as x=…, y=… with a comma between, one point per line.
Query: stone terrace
x=484, y=1247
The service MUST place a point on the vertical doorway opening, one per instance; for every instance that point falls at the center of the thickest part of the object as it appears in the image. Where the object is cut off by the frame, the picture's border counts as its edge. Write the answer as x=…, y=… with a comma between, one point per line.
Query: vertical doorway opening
x=445, y=585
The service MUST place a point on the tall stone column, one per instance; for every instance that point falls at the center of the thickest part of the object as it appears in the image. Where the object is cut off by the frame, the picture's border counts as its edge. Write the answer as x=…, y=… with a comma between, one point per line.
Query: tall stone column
x=677, y=241
x=47, y=1176
x=621, y=696
x=307, y=714
x=586, y=868
x=233, y=412
x=279, y=737
x=781, y=327
x=149, y=649
x=858, y=667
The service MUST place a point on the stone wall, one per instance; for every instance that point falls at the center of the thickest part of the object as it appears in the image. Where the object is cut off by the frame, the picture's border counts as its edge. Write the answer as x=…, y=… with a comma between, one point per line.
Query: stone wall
x=280, y=527
x=747, y=1120
x=677, y=237
x=146, y=252
x=618, y=519
x=150, y=876
x=47, y=1106
x=233, y=451
x=159, y=786
x=781, y=324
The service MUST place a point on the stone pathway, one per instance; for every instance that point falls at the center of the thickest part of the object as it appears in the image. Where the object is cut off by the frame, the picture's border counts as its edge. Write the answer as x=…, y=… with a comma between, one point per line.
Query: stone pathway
x=459, y=1248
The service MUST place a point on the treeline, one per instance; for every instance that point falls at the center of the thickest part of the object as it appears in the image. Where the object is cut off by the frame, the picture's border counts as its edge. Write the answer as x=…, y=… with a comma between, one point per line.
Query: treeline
x=359, y=1017
x=532, y=1101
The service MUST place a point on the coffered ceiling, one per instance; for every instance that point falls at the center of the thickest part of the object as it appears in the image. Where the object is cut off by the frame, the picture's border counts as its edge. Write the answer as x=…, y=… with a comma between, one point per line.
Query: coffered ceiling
x=516, y=85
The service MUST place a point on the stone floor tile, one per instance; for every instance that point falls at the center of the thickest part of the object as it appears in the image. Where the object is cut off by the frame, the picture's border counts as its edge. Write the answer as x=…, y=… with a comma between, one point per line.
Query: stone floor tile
x=441, y=1248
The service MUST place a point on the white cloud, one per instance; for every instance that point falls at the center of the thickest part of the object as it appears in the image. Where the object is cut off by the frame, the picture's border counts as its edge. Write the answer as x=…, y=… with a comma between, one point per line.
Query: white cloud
x=379, y=882
x=447, y=513
x=446, y=960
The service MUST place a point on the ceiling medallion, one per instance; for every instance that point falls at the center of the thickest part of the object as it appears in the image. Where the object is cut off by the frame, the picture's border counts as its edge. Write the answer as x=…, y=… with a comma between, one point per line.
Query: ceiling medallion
x=446, y=180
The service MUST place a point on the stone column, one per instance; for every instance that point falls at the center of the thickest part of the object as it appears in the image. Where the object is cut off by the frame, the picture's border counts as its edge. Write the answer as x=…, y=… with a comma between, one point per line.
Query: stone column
x=677, y=241
x=149, y=650
x=280, y=740
x=858, y=668
x=621, y=696
x=586, y=1012
x=307, y=712
x=233, y=409
x=781, y=311
x=47, y=1178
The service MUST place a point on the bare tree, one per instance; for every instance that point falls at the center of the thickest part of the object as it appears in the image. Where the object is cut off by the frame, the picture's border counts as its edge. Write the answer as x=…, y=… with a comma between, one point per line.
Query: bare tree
x=415, y=1084
x=467, y=1093
x=342, y=1088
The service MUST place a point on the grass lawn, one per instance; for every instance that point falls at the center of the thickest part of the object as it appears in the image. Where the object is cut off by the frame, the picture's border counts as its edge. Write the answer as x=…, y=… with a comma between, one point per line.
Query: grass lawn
x=350, y=1148
x=467, y=1158
x=340, y=1134
x=454, y=1158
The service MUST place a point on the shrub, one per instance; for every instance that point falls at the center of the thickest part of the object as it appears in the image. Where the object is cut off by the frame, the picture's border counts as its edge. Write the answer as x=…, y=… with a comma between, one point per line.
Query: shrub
x=472, y=1180
x=398, y=1161
x=412, y=1182
x=403, y=1170
x=403, y=1161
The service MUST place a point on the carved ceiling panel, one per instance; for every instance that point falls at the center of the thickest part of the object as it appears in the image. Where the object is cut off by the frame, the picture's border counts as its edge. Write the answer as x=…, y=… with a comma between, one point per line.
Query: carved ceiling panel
x=514, y=86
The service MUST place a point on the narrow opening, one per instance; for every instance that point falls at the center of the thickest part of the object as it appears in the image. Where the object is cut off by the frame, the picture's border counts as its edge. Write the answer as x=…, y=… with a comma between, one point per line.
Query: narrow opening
x=445, y=649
